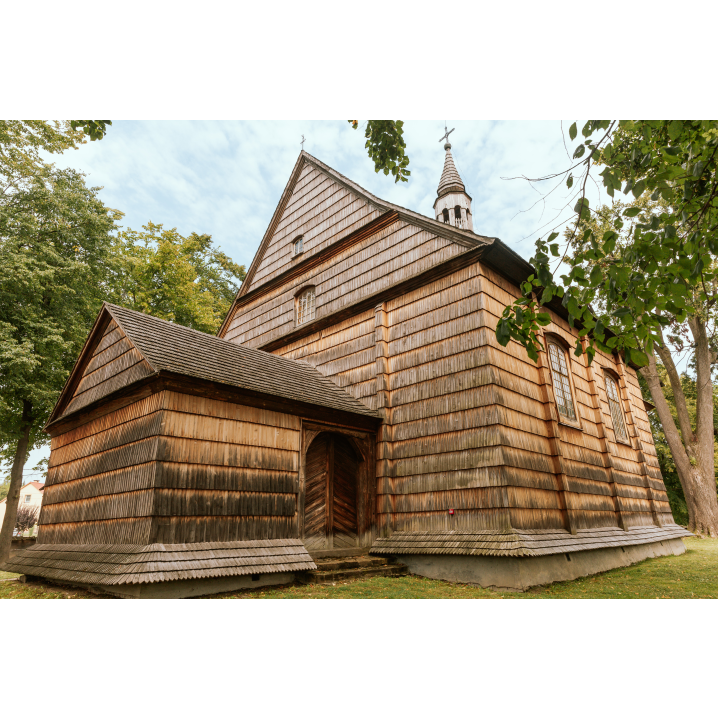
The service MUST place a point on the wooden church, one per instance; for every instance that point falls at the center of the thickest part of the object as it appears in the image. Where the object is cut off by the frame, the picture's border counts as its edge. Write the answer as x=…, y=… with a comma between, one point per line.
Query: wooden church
x=355, y=401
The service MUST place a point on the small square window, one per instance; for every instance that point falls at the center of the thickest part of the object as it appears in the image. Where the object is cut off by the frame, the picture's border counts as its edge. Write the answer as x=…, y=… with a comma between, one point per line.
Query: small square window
x=27, y=498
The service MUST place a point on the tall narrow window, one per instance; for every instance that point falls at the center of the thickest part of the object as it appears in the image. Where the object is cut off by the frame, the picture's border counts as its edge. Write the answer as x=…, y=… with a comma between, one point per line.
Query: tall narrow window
x=298, y=245
x=561, y=382
x=445, y=214
x=614, y=404
x=457, y=217
x=305, y=306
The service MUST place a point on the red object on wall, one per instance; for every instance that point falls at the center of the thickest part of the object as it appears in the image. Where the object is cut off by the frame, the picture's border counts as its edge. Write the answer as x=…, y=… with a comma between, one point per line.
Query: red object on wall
x=451, y=512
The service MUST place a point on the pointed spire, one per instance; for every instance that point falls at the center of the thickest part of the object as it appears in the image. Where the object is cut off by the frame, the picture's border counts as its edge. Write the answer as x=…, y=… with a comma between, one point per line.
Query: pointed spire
x=450, y=179
x=452, y=204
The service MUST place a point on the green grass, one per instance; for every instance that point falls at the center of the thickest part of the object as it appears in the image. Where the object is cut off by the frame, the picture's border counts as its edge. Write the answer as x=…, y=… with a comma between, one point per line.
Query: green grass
x=692, y=575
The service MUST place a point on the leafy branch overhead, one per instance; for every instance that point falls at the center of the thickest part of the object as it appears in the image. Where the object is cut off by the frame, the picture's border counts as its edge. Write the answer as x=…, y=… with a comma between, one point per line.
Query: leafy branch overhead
x=94, y=129
x=386, y=147
x=663, y=270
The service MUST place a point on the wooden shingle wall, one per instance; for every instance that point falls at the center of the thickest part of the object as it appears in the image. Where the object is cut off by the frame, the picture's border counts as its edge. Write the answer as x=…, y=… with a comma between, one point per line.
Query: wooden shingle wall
x=225, y=472
x=383, y=259
x=471, y=426
x=322, y=211
x=601, y=482
x=100, y=478
x=345, y=352
x=115, y=363
x=173, y=468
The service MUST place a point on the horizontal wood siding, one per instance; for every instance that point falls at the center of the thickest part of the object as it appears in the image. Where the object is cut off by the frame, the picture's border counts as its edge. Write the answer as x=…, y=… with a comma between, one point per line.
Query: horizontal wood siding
x=469, y=427
x=382, y=260
x=100, y=478
x=226, y=472
x=322, y=211
x=174, y=468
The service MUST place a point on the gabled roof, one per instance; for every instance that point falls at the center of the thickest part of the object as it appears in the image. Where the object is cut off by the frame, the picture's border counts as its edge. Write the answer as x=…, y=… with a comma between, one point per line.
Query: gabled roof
x=39, y=485
x=173, y=348
x=464, y=237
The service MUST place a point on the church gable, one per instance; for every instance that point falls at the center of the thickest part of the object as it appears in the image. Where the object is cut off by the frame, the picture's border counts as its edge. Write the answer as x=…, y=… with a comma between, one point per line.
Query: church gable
x=319, y=210
x=110, y=362
x=383, y=260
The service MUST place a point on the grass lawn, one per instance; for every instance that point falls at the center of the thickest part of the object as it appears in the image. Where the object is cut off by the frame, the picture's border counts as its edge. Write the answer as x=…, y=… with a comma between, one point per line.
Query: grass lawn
x=693, y=575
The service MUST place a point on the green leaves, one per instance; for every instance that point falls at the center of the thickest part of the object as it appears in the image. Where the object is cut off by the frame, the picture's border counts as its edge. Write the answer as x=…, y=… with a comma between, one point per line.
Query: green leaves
x=675, y=129
x=638, y=188
x=94, y=129
x=639, y=276
x=543, y=319
x=386, y=147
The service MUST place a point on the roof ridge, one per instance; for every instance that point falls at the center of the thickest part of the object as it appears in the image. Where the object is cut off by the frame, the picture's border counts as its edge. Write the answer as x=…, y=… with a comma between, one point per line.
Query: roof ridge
x=385, y=204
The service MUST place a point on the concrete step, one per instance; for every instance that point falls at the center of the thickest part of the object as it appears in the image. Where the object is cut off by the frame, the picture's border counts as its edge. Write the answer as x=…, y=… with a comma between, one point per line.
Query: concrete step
x=332, y=573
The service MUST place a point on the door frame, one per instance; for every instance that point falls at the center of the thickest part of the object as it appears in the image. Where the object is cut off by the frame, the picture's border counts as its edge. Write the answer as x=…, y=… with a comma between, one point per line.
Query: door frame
x=364, y=444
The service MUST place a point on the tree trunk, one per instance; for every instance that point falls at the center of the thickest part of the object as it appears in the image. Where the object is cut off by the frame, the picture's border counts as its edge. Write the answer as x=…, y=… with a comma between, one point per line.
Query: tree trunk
x=692, y=455
x=13, y=497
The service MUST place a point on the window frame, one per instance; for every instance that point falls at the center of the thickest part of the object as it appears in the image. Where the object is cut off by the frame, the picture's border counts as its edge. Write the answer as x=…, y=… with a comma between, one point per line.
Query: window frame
x=562, y=419
x=299, y=253
x=620, y=405
x=28, y=498
x=297, y=303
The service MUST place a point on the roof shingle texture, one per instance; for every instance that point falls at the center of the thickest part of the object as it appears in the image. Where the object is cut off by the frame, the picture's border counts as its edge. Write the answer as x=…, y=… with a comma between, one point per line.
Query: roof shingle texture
x=450, y=178
x=181, y=350
x=115, y=564
x=521, y=542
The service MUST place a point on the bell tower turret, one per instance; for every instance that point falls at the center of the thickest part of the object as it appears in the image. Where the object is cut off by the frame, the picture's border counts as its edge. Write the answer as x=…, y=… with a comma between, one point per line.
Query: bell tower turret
x=453, y=204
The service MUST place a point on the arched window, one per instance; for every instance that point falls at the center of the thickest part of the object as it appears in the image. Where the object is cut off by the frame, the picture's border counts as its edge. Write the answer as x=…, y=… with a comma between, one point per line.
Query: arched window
x=446, y=215
x=298, y=245
x=457, y=217
x=305, y=306
x=561, y=381
x=614, y=404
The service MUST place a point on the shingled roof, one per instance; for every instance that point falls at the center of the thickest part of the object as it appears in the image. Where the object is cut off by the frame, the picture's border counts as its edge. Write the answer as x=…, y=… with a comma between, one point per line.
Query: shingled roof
x=450, y=179
x=169, y=347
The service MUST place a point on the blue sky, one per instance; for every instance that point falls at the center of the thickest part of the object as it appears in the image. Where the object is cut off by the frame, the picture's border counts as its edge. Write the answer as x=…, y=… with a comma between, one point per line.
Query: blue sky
x=226, y=178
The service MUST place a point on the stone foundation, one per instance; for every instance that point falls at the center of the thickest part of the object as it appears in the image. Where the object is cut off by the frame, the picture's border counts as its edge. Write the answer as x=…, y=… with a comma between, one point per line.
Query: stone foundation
x=518, y=573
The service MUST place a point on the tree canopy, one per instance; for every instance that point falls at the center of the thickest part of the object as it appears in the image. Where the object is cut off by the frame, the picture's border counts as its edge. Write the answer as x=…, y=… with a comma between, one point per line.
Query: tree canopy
x=182, y=279
x=641, y=278
x=386, y=147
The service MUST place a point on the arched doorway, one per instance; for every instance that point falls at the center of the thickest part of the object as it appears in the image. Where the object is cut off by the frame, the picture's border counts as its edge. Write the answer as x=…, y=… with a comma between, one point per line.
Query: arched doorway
x=330, y=493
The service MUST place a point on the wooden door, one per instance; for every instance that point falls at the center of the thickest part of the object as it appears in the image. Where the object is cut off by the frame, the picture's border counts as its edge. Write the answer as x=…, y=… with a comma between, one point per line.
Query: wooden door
x=330, y=494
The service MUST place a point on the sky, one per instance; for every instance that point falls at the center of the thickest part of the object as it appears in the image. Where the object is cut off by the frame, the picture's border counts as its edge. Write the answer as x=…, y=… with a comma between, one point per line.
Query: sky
x=226, y=178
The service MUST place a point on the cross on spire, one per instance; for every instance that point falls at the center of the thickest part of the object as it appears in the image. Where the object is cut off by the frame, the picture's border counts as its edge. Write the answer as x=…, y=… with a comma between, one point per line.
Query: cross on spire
x=302, y=143
x=447, y=133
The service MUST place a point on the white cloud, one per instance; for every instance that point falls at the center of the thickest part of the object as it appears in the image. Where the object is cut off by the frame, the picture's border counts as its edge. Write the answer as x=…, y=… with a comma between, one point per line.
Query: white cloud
x=225, y=178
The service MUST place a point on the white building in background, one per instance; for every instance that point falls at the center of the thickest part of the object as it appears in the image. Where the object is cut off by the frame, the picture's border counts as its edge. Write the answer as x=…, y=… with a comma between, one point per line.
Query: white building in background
x=30, y=495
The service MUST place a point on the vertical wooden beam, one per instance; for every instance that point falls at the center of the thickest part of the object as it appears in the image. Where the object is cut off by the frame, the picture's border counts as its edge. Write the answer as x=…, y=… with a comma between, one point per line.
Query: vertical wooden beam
x=628, y=411
x=549, y=402
x=330, y=492
x=383, y=397
x=603, y=436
